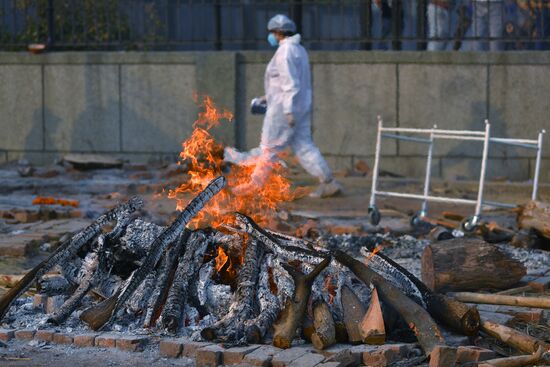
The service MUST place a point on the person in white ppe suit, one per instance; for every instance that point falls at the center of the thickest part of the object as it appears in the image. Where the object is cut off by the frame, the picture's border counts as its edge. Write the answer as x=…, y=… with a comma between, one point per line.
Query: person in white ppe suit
x=287, y=122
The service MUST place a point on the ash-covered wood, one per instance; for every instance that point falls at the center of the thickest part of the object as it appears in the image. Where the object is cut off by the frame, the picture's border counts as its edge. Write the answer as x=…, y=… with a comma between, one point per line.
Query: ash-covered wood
x=97, y=316
x=353, y=314
x=293, y=312
x=54, y=285
x=165, y=274
x=188, y=263
x=269, y=303
x=67, y=250
x=231, y=326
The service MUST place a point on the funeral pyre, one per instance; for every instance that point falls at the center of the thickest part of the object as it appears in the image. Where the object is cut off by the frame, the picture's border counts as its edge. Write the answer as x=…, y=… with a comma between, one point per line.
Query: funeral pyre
x=218, y=273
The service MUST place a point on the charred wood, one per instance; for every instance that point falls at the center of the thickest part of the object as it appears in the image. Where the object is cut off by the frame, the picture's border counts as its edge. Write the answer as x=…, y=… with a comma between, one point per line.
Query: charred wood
x=323, y=323
x=353, y=314
x=97, y=316
x=66, y=250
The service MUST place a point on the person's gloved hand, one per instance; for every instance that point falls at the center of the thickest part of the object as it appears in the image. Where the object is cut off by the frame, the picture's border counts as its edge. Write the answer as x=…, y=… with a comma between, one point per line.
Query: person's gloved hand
x=290, y=119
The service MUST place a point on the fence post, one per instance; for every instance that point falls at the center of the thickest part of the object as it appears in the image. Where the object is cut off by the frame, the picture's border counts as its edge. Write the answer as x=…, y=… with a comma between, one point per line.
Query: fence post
x=51, y=25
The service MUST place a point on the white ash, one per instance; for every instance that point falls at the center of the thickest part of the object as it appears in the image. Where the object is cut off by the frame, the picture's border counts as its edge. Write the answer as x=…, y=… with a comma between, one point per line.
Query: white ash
x=139, y=236
x=218, y=299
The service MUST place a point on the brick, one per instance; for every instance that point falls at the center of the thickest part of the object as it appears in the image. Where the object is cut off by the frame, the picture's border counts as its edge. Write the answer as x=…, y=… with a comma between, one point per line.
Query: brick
x=132, y=343
x=84, y=340
x=466, y=354
x=62, y=338
x=307, y=360
x=209, y=356
x=386, y=354
x=107, y=340
x=331, y=364
x=25, y=334
x=262, y=356
x=171, y=348
x=236, y=355
x=285, y=357
x=39, y=301
x=7, y=334
x=443, y=356
x=541, y=284
x=44, y=335
x=190, y=348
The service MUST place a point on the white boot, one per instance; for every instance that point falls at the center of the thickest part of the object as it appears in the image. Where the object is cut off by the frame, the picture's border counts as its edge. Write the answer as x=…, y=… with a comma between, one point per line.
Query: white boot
x=325, y=190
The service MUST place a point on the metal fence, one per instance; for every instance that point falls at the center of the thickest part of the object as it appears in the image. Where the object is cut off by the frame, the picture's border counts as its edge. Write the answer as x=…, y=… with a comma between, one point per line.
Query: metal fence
x=241, y=24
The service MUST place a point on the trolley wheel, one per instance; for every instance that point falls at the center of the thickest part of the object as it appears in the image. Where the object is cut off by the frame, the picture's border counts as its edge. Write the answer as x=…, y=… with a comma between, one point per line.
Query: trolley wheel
x=374, y=215
x=416, y=220
x=469, y=224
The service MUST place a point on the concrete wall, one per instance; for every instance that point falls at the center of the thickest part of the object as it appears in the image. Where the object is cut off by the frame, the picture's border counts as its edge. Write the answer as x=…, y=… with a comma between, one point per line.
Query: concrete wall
x=140, y=105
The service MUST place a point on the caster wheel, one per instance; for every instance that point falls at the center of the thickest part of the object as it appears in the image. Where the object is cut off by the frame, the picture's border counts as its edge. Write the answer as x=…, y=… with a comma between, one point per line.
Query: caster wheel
x=417, y=222
x=469, y=224
x=374, y=215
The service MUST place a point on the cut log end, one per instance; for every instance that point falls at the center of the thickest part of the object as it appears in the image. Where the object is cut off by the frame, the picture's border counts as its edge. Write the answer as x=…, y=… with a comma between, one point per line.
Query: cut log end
x=97, y=316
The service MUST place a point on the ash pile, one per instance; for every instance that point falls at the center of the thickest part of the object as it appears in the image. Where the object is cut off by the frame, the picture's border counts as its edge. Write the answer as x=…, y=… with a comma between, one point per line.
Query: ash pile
x=243, y=284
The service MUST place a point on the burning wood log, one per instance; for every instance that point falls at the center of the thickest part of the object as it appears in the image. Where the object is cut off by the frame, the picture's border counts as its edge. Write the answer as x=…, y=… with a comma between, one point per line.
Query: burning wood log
x=354, y=311
x=293, y=313
x=419, y=320
x=270, y=306
x=512, y=337
x=171, y=317
x=166, y=270
x=516, y=361
x=498, y=299
x=97, y=316
x=372, y=326
x=468, y=265
x=66, y=250
x=323, y=323
x=231, y=326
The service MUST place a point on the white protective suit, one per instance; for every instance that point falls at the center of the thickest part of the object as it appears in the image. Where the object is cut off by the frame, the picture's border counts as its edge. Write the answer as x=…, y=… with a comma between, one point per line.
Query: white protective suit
x=287, y=84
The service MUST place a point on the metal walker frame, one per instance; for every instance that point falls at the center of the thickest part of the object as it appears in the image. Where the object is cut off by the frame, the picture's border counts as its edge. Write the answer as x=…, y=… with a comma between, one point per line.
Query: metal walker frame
x=434, y=133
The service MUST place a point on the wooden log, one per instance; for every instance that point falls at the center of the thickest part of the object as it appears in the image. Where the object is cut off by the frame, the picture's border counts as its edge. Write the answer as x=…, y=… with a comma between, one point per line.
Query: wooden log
x=354, y=311
x=293, y=313
x=425, y=329
x=97, y=316
x=516, y=361
x=231, y=327
x=188, y=264
x=497, y=299
x=518, y=340
x=457, y=315
x=166, y=271
x=323, y=323
x=372, y=326
x=535, y=215
x=468, y=265
x=66, y=250
x=269, y=303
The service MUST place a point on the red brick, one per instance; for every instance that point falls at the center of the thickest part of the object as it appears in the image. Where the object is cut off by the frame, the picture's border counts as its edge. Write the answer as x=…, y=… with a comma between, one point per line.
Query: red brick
x=53, y=303
x=190, y=348
x=262, y=356
x=171, y=347
x=25, y=334
x=285, y=357
x=7, y=334
x=84, y=340
x=386, y=354
x=132, y=343
x=236, y=355
x=39, y=301
x=209, y=356
x=443, y=356
x=44, y=335
x=473, y=354
x=107, y=340
x=541, y=284
x=62, y=338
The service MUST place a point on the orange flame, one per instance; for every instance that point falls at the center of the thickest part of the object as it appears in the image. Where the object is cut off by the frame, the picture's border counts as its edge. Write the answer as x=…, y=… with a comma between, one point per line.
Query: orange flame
x=46, y=200
x=330, y=287
x=376, y=250
x=204, y=157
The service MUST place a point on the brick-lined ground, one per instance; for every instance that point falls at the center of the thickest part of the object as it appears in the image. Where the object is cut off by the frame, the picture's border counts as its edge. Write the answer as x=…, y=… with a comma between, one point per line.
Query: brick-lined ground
x=209, y=354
